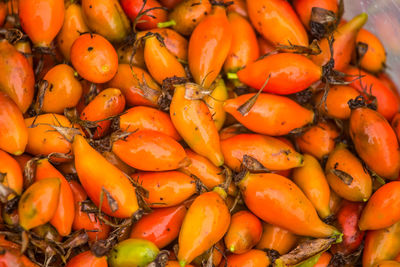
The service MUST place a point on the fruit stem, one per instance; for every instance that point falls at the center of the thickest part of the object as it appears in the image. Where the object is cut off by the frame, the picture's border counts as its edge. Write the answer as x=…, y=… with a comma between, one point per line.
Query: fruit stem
x=166, y=24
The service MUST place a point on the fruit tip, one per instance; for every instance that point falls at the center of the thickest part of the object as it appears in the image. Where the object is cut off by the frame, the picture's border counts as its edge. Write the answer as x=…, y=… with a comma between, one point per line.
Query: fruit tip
x=182, y=263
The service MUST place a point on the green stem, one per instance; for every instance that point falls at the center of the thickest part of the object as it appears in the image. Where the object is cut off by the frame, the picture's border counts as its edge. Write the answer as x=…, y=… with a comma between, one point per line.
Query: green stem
x=166, y=24
x=232, y=76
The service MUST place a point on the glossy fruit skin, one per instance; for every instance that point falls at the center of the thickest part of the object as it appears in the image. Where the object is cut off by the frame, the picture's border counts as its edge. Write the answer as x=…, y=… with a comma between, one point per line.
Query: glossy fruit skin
x=108, y=103
x=11, y=168
x=252, y=258
x=149, y=150
x=160, y=62
x=91, y=166
x=371, y=133
x=161, y=226
x=216, y=257
x=216, y=101
x=106, y=18
x=132, y=9
x=94, y=58
x=341, y=159
x=96, y=229
x=39, y=203
x=170, y=3
x=193, y=121
x=41, y=20
x=271, y=114
x=73, y=25
x=304, y=8
x=210, y=175
x=387, y=101
x=277, y=22
x=209, y=47
x=43, y=139
x=188, y=14
x=205, y=223
x=128, y=80
x=17, y=79
x=3, y=13
x=379, y=245
x=374, y=59
x=243, y=233
x=288, y=206
x=87, y=259
x=64, y=89
x=319, y=140
x=344, y=44
x=324, y=260
x=380, y=211
x=336, y=104
x=269, y=151
x=244, y=47
x=64, y=214
x=289, y=73
x=276, y=238
x=166, y=189
x=311, y=179
x=348, y=217
x=147, y=118
x=13, y=132
x=132, y=252
x=174, y=42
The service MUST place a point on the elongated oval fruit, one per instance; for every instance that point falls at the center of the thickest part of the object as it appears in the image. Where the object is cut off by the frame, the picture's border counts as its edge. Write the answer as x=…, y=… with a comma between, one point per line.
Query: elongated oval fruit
x=193, y=121
x=41, y=20
x=348, y=217
x=107, y=18
x=271, y=114
x=147, y=118
x=205, y=223
x=347, y=176
x=375, y=142
x=166, y=189
x=382, y=209
x=20, y=88
x=209, y=174
x=150, y=151
x=160, y=62
x=43, y=139
x=276, y=238
x=271, y=152
x=288, y=207
x=101, y=178
x=387, y=101
x=11, y=174
x=383, y=244
x=209, y=46
x=73, y=25
x=344, y=44
x=244, y=48
x=304, y=8
x=87, y=259
x=64, y=214
x=39, y=203
x=215, y=103
x=243, y=233
x=311, y=179
x=13, y=132
x=374, y=60
x=288, y=73
x=161, y=226
x=132, y=252
x=277, y=22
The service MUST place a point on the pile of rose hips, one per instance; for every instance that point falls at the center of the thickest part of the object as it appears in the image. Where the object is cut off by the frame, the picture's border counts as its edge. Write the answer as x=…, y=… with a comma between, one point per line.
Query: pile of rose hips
x=195, y=133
